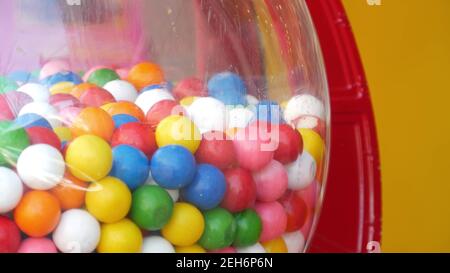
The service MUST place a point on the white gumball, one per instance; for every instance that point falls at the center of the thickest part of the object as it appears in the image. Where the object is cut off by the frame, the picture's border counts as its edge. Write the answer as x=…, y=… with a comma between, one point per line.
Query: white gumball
x=41, y=167
x=44, y=110
x=11, y=190
x=77, y=232
x=174, y=194
x=252, y=100
x=303, y=105
x=37, y=92
x=256, y=248
x=148, y=99
x=208, y=114
x=157, y=244
x=302, y=172
x=295, y=241
x=240, y=117
x=122, y=90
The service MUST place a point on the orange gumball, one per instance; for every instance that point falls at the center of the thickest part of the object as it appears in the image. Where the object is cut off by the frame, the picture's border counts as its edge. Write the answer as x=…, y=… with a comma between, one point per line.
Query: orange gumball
x=79, y=90
x=70, y=192
x=145, y=74
x=124, y=107
x=38, y=213
x=93, y=121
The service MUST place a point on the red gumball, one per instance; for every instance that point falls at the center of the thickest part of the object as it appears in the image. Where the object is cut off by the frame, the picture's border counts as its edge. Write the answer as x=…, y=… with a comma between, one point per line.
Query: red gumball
x=96, y=97
x=216, y=149
x=41, y=135
x=241, y=190
x=190, y=87
x=138, y=135
x=296, y=210
x=9, y=236
x=62, y=101
x=163, y=109
x=290, y=144
x=11, y=103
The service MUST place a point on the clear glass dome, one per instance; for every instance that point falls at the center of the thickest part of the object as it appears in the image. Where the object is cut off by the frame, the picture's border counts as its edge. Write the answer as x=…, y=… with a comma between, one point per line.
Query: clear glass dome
x=204, y=124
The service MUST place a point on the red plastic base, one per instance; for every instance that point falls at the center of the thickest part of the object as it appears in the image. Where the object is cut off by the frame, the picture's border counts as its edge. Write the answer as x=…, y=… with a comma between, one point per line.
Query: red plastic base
x=351, y=213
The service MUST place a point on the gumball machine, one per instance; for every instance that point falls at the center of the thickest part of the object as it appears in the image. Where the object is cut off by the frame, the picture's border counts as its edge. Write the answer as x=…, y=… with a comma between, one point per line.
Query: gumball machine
x=184, y=126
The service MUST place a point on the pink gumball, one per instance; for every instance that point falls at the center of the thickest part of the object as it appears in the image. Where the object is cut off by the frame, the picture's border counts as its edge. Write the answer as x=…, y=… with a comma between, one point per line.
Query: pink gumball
x=37, y=245
x=92, y=70
x=123, y=73
x=69, y=114
x=53, y=67
x=96, y=97
x=224, y=250
x=271, y=182
x=273, y=218
x=62, y=101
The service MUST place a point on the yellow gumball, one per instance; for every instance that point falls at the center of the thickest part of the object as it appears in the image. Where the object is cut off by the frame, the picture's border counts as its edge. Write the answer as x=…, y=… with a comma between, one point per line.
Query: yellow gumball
x=186, y=225
x=62, y=88
x=275, y=246
x=190, y=249
x=89, y=158
x=108, y=200
x=187, y=101
x=120, y=237
x=313, y=144
x=178, y=130
x=63, y=133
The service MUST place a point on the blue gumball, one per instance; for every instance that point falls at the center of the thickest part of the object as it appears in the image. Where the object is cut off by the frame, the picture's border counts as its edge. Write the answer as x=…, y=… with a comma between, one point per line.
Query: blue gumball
x=66, y=76
x=122, y=119
x=164, y=86
x=228, y=88
x=173, y=167
x=130, y=165
x=19, y=76
x=207, y=189
x=32, y=120
x=269, y=111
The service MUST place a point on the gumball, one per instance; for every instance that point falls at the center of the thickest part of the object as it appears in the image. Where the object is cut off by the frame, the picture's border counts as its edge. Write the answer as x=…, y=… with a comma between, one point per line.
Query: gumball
x=43, y=109
x=37, y=245
x=121, y=90
x=69, y=115
x=208, y=114
x=11, y=190
x=41, y=167
x=122, y=72
x=62, y=88
x=151, y=208
x=174, y=194
x=93, y=121
x=138, y=135
x=20, y=77
x=37, y=92
x=187, y=101
x=302, y=172
x=190, y=87
x=120, y=237
x=268, y=111
x=190, y=249
x=96, y=97
x=178, y=130
x=65, y=76
x=207, y=189
x=38, y=213
x=122, y=119
x=251, y=100
x=11, y=103
x=226, y=250
x=295, y=241
x=216, y=149
x=240, y=190
x=273, y=218
x=13, y=140
x=253, y=152
x=42, y=135
x=70, y=192
x=32, y=120
x=52, y=67
x=89, y=158
x=9, y=236
x=64, y=134
x=173, y=167
x=103, y=76
x=256, y=248
x=302, y=105
x=220, y=229
x=62, y=101
x=296, y=210
x=130, y=165
x=157, y=244
x=271, y=182
x=157, y=87
x=311, y=122
x=248, y=228
x=290, y=145
x=79, y=90
x=147, y=100
x=163, y=109
x=313, y=144
x=77, y=232
x=186, y=225
x=239, y=117
x=89, y=72
x=124, y=107
x=228, y=88
x=108, y=200
x=275, y=246
x=145, y=74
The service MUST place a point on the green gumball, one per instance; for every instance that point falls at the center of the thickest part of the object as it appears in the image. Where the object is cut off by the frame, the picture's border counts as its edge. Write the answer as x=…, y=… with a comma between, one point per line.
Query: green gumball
x=102, y=76
x=7, y=85
x=13, y=140
x=220, y=229
x=249, y=228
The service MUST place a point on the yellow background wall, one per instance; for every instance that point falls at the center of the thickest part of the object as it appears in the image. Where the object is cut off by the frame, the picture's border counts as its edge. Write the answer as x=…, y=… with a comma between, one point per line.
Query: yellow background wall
x=405, y=47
